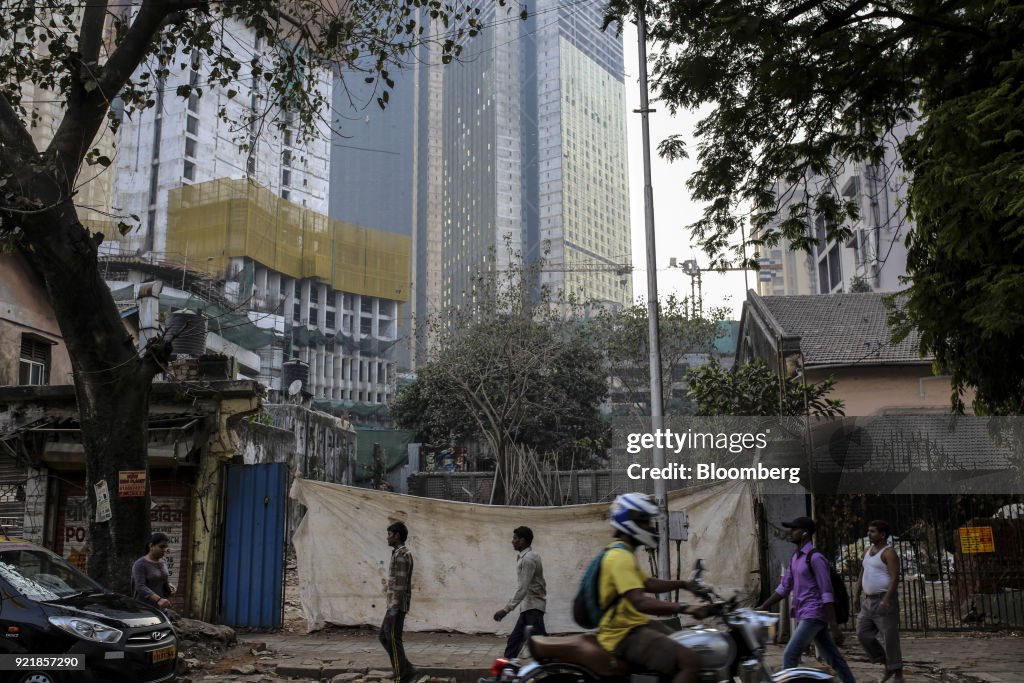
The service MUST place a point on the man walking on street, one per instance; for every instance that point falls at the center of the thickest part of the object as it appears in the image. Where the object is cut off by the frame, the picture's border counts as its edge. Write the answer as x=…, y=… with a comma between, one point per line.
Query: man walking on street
x=808, y=579
x=879, y=610
x=399, y=597
x=532, y=592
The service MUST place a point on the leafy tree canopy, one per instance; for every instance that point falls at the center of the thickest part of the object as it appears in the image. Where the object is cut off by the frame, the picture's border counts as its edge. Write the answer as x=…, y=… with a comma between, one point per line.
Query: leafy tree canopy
x=512, y=370
x=797, y=88
x=754, y=389
x=624, y=340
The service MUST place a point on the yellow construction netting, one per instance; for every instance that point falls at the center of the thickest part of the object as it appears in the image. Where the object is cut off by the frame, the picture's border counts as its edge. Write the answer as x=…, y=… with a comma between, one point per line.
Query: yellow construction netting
x=223, y=219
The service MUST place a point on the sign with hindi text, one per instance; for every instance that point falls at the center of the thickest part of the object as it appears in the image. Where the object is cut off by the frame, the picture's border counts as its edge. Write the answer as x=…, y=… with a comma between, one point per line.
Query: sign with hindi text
x=131, y=483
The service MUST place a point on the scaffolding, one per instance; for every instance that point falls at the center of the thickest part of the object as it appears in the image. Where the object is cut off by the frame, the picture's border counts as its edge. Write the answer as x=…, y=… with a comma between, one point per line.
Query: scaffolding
x=224, y=219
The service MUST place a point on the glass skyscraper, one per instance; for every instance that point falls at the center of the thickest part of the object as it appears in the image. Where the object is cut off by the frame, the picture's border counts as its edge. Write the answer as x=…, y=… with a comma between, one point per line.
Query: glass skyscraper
x=522, y=141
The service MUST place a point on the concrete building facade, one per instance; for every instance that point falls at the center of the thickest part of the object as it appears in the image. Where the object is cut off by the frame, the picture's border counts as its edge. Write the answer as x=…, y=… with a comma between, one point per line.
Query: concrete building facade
x=247, y=207
x=874, y=257
x=181, y=141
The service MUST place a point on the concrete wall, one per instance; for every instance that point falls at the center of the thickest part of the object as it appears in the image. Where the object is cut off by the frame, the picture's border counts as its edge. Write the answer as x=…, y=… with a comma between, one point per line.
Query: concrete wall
x=24, y=308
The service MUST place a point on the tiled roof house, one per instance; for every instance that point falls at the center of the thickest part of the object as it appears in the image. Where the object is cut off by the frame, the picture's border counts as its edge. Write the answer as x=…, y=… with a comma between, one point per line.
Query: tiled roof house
x=845, y=336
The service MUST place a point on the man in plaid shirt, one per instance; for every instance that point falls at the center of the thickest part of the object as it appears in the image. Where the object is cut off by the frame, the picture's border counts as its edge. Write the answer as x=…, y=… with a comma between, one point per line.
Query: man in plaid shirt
x=399, y=596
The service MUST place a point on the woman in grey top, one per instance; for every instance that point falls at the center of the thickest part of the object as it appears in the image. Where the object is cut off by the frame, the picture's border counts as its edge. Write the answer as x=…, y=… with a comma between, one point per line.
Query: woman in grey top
x=151, y=580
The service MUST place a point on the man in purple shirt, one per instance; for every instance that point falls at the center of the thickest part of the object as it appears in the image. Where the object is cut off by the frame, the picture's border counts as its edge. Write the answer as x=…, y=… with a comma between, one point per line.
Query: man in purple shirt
x=813, y=607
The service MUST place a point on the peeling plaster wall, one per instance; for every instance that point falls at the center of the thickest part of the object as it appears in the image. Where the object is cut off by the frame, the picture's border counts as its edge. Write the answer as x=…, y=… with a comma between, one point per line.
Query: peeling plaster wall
x=24, y=308
x=325, y=445
x=260, y=443
x=314, y=445
x=229, y=408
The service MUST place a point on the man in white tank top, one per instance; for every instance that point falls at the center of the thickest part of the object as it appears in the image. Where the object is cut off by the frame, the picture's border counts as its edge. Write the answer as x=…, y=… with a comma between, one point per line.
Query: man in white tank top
x=877, y=604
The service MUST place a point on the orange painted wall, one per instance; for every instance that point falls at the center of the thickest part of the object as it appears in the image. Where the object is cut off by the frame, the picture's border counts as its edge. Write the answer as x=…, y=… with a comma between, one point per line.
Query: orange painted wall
x=893, y=389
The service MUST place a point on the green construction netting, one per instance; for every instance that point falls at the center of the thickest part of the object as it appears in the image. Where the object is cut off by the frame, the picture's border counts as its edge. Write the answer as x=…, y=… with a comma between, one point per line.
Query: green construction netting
x=232, y=325
x=305, y=336
x=124, y=293
x=395, y=443
x=725, y=344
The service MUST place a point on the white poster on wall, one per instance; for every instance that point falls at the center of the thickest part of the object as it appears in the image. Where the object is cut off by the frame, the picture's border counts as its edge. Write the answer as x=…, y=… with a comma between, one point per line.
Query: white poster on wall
x=167, y=515
x=103, y=511
x=76, y=531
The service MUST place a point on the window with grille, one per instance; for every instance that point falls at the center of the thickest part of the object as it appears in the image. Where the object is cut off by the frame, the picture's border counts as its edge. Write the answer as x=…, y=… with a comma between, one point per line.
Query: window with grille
x=34, y=363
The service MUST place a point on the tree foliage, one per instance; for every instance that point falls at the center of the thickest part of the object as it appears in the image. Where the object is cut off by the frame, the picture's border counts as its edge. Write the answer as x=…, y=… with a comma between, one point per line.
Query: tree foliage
x=624, y=339
x=79, y=59
x=514, y=370
x=755, y=389
x=797, y=88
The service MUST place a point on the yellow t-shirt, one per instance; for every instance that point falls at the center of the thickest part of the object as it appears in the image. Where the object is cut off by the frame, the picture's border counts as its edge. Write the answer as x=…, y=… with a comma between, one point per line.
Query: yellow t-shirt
x=620, y=573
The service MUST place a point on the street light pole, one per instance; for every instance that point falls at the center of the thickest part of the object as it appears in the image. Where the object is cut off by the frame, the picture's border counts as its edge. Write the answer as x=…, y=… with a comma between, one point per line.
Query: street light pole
x=657, y=408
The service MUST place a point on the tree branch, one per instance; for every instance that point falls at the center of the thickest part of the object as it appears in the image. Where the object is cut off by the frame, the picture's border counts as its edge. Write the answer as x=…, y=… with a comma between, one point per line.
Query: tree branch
x=90, y=36
x=802, y=8
x=13, y=133
x=844, y=18
x=934, y=23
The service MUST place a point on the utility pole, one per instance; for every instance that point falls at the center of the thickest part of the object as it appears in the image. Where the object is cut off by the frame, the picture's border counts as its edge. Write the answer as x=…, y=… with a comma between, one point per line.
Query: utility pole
x=657, y=405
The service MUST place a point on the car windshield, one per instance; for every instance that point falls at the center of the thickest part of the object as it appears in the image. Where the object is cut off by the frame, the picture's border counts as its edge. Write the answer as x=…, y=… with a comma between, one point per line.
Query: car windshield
x=39, y=574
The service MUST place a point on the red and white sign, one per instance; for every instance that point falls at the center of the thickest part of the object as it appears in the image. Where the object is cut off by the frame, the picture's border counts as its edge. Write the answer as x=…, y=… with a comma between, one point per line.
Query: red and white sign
x=131, y=483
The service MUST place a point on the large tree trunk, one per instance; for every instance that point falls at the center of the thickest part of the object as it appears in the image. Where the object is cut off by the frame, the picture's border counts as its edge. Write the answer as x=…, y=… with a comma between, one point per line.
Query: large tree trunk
x=112, y=383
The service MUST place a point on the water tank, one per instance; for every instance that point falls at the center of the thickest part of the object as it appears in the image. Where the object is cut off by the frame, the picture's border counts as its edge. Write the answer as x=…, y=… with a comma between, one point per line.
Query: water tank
x=187, y=331
x=294, y=370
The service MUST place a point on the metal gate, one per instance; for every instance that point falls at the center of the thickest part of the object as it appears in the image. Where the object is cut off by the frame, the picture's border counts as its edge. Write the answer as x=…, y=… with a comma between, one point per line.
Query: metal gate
x=12, y=492
x=962, y=557
x=251, y=590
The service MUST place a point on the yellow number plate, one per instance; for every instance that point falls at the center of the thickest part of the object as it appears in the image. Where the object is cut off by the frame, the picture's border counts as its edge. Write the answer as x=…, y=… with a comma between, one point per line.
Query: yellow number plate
x=164, y=653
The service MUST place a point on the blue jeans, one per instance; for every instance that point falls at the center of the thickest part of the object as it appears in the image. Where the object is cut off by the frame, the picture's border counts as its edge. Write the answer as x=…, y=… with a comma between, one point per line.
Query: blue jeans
x=816, y=630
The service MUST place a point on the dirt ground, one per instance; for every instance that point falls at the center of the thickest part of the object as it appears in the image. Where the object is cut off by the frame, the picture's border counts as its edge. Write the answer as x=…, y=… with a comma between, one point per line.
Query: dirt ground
x=205, y=657
x=293, y=621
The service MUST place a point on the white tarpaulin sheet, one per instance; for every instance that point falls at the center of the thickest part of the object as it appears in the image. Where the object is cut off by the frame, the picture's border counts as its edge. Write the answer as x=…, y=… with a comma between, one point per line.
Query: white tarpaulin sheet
x=465, y=567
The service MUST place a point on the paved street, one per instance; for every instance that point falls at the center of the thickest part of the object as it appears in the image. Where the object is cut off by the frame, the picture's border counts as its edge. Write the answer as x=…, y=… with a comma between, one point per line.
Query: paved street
x=947, y=658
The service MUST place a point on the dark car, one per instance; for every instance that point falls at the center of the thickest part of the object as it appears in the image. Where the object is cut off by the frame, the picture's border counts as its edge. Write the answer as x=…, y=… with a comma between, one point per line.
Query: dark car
x=48, y=607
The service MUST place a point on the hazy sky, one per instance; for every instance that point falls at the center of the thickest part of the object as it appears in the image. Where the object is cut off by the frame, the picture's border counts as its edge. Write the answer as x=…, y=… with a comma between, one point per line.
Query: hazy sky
x=673, y=209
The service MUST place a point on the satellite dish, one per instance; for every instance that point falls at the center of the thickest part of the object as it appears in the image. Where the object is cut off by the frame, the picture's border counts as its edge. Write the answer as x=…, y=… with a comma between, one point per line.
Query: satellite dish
x=295, y=387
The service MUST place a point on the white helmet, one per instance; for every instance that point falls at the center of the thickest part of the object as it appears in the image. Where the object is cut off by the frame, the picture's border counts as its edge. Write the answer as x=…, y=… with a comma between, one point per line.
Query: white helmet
x=631, y=514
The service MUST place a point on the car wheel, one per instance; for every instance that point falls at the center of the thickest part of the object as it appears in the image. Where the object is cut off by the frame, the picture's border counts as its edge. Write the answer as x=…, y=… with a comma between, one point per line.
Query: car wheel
x=37, y=677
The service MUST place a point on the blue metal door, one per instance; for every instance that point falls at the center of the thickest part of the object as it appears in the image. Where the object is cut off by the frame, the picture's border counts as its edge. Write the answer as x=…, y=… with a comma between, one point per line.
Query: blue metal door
x=254, y=546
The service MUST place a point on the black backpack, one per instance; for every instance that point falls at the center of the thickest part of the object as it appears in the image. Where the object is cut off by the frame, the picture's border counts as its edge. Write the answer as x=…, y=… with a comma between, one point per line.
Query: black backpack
x=839, y=593
x=586, y=606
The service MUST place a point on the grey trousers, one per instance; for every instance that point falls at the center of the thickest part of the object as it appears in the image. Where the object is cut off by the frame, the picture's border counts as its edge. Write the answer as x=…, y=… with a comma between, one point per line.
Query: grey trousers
x=870, y=624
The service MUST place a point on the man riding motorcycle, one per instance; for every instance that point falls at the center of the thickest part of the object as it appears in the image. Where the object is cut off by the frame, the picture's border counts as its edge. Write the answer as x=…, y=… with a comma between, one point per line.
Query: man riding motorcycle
x=624, y=594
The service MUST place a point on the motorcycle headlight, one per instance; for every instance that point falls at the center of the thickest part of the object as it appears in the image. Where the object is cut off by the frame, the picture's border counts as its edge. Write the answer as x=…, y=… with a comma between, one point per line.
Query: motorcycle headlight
x=87, y=629
x=766, y=626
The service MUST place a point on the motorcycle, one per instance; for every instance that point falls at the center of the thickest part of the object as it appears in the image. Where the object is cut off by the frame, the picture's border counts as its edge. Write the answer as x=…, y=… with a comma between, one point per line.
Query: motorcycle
x=733, y=653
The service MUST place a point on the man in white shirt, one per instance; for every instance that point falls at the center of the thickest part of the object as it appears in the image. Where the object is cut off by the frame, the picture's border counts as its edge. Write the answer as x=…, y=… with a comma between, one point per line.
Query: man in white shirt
x=532, y=593
x=877, y=604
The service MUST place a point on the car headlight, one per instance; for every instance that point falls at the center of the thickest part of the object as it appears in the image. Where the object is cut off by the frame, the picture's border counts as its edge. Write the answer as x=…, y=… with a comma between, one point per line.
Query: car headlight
x=87, y=629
